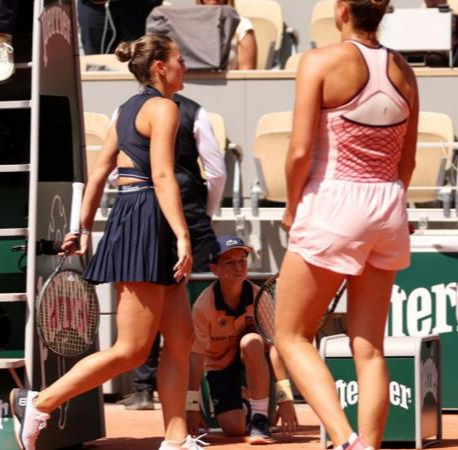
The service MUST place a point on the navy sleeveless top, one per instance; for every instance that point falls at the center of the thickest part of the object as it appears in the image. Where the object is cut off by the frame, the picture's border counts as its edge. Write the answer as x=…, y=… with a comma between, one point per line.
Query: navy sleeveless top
x=130, y=141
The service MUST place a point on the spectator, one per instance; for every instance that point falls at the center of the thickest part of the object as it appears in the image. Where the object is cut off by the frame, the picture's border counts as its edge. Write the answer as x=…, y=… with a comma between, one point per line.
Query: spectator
x=8, y=15
x=225, y=342
x=243, y=49
x=104, y=24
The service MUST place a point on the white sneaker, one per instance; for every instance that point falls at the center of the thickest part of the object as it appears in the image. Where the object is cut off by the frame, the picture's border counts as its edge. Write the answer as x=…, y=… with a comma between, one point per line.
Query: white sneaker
x=6, y=61
x=28, y=421
x=189, y=443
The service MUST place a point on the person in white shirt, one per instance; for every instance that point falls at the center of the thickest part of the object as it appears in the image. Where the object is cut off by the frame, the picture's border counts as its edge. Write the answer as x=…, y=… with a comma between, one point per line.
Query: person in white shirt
x=243, y=54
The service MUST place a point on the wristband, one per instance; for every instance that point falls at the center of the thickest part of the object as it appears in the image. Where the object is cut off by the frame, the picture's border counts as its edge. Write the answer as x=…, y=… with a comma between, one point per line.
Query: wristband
x=284, y=392
x=192, y=401
x=84, y=230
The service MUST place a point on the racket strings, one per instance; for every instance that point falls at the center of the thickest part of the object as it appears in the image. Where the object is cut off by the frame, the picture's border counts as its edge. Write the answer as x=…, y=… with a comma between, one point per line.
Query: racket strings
x=265, y=310
x=68, y=314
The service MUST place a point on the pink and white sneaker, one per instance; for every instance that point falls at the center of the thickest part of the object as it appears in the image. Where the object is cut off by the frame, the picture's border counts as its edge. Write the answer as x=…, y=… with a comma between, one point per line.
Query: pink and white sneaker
x=354, y=443
x=28, y=421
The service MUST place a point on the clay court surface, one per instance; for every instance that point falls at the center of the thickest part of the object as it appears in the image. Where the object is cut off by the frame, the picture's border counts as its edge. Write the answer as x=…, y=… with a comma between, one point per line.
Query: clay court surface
x=142, y=430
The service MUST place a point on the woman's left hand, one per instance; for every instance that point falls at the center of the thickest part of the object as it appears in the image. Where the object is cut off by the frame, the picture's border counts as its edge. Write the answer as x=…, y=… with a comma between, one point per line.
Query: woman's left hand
x=286, y=414
x=75, y=243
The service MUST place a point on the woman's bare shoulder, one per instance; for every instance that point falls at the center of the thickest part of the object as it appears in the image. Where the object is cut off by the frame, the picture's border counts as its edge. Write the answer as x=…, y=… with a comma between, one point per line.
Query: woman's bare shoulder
x=325, y=58
x=401, y=64
x=158, y=109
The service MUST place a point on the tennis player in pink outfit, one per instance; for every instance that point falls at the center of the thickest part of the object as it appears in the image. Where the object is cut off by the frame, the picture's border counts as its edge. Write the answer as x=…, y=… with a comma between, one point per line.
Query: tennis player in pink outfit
x=349, y=164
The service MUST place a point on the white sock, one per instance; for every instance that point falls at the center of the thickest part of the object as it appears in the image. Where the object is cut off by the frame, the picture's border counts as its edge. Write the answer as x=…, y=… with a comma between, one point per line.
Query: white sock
x=175, y=444
x=259, y=406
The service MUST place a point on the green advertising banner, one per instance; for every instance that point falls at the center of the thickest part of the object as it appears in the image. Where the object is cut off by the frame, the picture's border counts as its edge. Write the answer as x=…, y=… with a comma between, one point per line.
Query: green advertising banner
x=424, y=302
x=414, y=390
x=401, y=418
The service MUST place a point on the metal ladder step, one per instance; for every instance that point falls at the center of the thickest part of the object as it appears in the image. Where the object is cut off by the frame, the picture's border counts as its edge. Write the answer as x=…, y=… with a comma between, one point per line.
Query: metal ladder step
x=23, y=65
x=11, y=363
x=5, y=168
x=5, y=232
x=19, y=104
x=13, y=297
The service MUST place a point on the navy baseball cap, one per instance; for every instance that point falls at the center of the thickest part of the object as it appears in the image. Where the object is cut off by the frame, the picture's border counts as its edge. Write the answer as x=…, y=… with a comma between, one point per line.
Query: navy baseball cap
x=225, y=243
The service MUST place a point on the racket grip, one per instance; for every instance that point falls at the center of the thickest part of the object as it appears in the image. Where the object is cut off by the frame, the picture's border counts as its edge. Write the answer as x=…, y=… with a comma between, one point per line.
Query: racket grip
x=77, y=200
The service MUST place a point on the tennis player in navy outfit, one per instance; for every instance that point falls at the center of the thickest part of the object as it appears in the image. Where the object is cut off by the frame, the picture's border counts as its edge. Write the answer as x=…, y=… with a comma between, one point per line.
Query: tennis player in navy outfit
x=145, y=250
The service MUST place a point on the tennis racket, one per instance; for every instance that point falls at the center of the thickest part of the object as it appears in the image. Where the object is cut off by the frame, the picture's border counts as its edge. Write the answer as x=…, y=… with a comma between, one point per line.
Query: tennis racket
x=67, y=308
x=264, y=308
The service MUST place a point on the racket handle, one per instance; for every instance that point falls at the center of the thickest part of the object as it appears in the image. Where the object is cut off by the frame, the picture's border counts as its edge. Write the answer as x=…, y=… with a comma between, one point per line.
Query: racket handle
x=77, y=200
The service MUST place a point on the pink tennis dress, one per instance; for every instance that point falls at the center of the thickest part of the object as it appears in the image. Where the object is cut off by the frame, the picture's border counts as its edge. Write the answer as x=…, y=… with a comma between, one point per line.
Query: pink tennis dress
x=353, y=209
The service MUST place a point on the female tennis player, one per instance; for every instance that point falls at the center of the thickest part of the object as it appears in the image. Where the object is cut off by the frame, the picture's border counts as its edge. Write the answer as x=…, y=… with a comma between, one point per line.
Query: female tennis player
x=349, y=164
x=145, y=250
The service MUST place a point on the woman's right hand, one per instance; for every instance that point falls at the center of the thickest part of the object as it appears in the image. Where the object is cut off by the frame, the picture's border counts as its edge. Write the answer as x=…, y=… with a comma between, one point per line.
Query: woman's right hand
x=75, y=243
x=183, y=267
x=287, y=220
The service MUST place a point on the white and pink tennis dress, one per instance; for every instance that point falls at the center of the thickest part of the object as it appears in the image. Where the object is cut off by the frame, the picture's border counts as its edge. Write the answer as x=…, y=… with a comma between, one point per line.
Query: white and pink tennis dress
x=353, y=209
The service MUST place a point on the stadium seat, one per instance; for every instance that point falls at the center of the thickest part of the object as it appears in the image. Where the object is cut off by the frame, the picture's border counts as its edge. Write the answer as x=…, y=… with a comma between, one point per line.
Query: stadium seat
x=219, y=128
x=273, y=133
x=265, y=9
x=323, y=30
x=453, y=6
x=96, y=126
x=293, y=62
x=265, y=32
x=269, y=10
x=433, y=162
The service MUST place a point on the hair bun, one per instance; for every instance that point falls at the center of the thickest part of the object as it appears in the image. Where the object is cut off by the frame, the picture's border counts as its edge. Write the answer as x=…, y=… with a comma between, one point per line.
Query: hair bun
x=124, y=51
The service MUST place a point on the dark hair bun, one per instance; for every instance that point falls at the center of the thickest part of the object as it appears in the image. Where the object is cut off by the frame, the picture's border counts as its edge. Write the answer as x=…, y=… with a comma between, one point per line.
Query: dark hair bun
x=124, y=51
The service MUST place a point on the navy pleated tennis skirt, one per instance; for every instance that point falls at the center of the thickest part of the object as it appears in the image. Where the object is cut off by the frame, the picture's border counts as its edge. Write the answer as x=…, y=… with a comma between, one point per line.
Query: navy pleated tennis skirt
x=138, y=243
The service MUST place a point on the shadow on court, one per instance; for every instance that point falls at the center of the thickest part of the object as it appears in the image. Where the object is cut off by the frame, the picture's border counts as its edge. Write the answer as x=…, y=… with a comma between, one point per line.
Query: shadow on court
x=143, y=430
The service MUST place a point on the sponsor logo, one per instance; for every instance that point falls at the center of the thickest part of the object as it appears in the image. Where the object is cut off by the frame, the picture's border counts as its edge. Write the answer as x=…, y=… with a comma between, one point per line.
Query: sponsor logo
x=281, y=396
x=55, y=21
x=232, y=242
x=423, y=311
x=400, y=395
x=4, y=413
x=66, y=313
